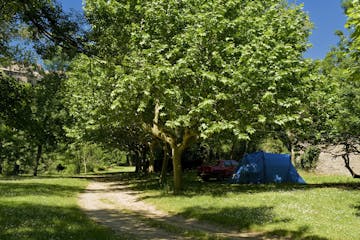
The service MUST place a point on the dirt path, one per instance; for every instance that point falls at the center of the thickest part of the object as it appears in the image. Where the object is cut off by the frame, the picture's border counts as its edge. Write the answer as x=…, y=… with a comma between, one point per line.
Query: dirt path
x=114, y=205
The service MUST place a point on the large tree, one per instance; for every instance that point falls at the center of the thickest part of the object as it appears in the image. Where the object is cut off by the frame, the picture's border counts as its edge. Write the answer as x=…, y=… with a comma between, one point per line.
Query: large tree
x=335, y=102
x=27, y=27
x=188, y=69
x=341, y=70
x=48, y=115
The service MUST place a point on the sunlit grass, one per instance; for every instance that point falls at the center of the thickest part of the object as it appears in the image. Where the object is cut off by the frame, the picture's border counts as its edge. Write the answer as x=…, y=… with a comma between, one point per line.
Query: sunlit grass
x=45, y=208
x=117, y=169
x=326, y=208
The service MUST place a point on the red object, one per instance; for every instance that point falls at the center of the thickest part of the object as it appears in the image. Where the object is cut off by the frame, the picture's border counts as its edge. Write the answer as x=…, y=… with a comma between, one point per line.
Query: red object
x=223, y=169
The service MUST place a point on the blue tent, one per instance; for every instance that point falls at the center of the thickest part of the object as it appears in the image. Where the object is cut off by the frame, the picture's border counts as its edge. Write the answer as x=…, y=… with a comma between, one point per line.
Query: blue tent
x=262, y=167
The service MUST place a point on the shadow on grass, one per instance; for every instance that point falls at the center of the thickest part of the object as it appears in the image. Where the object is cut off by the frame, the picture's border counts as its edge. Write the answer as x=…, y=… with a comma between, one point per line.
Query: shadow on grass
x=110, y=177
x=300, y=234
x=194, y=186
x=140, y=225
x=39, y=222
x=240, y=218
x=357, y=207
x=13, y=189
x=172, y=227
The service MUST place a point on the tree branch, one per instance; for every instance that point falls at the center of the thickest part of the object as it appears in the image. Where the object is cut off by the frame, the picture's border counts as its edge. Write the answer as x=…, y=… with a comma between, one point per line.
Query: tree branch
x=156, y=130
x=347, y=161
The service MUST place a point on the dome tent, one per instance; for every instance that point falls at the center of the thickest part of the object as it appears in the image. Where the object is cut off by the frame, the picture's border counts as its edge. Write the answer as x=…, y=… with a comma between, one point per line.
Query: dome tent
x=262, y=167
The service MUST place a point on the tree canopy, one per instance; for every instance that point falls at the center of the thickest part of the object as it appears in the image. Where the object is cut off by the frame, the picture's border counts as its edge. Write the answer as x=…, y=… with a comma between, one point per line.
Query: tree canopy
x=188, y=69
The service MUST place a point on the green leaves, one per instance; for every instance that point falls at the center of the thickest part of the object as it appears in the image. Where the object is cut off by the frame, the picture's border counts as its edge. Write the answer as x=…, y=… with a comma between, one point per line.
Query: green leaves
x=210, y=65
x=353, y=23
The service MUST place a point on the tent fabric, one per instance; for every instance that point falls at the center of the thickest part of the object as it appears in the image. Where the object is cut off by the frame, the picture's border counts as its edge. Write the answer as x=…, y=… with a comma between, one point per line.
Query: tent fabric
x=263, y=167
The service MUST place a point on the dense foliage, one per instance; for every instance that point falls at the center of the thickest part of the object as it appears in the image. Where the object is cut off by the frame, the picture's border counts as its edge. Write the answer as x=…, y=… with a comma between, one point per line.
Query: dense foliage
x=150, y=78
x=189, y=69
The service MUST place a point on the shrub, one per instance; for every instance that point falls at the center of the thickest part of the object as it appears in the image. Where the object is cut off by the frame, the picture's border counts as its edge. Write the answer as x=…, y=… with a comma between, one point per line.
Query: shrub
x=309, y=158
x=7, y=168
x=272, y=145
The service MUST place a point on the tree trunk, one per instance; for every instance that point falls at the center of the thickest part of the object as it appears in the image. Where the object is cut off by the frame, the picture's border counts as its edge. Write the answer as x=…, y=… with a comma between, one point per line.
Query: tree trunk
x=164, y=165
x=293, y=155
x=84, y=163
x=176, y=148
x=232, y=153
x=37, y=160
x=346, y=158
x=0, y=158
x=288, y=139
x=176, y=159
x=152, y=145
x=144, y=162
x=347, y=165
x=136, y=159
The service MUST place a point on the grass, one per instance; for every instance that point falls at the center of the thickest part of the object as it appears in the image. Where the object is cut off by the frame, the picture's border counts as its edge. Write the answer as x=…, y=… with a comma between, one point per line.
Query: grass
x=328, y=207
x=44, y=209
x=167, y=225
x=116, y=169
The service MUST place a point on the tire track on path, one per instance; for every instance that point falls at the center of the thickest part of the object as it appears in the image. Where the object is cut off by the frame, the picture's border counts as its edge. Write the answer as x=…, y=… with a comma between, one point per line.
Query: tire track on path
x=117, y=207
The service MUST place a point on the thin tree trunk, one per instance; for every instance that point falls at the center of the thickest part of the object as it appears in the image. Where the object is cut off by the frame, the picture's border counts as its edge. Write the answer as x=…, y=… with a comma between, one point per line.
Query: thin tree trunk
x=164, y=165
x=37, y=160
x=288, y=139
x=293, y=155
x=152, y=145
x=232, y=153
x=137, y=161
x=0, y=158
x=84, y=163
x=347, y=165
x=144, y=162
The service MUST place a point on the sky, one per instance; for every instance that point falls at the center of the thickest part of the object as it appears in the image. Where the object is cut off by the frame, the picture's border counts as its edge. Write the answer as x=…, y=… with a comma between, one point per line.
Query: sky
x=326, y=15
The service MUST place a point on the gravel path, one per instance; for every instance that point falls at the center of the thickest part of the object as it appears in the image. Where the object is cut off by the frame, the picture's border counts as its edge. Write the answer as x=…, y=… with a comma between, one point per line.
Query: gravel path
x=114, y=205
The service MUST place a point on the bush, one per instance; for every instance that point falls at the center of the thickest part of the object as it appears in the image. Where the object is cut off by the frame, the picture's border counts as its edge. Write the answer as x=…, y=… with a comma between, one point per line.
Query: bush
x=7, y=168
x=272, y=145
x=309, y=158
x=72, y=169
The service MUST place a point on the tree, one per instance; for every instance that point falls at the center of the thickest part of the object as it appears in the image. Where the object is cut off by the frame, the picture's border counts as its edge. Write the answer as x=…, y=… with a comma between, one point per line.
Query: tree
x=48, y=116
x=14, y=105
x=352, y=9
x=89, y=87
x=188, y=69
x=347, y=122
x=41, y=26
x=44, y=23
x=340, y=122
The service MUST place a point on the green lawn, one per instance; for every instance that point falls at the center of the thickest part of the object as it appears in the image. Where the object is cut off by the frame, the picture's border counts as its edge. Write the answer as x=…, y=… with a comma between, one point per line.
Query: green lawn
x=326, y=208
x=45, y=209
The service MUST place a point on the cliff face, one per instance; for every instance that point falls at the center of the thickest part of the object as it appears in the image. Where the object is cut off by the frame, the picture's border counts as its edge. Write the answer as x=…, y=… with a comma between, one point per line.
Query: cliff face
x=28, y=74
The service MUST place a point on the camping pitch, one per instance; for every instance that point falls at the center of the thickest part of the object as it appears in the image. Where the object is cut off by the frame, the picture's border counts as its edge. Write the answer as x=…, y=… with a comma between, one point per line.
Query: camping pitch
x=262, y=167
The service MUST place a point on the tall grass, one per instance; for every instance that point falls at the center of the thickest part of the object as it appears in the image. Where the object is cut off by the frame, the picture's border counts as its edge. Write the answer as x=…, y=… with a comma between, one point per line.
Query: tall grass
x=45, y=209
